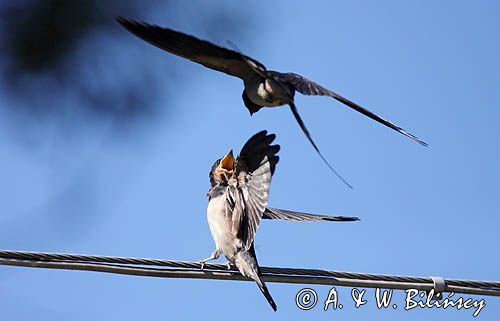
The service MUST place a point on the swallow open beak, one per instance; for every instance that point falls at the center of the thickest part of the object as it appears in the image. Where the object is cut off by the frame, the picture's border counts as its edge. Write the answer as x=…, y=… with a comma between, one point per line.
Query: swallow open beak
x=227, y=162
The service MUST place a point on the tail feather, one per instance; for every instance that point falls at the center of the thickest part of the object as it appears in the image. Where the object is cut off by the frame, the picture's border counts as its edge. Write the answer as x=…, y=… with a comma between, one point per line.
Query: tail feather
x=246, y=262
x=299, y=120
x=265, y=291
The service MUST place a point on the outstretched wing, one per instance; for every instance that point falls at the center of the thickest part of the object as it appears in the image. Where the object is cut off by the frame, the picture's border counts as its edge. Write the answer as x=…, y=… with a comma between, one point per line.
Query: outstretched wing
x=254, y=169
x=308, y=87
x=194, y=49
x=280, y=214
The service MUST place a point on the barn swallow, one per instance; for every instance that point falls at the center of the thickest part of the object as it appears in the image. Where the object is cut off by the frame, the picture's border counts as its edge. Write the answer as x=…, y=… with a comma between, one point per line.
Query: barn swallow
x=263, y=88
x=238, y=197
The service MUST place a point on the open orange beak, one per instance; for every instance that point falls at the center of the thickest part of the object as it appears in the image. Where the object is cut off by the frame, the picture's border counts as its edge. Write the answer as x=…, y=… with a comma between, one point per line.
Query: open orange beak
x=227, y=162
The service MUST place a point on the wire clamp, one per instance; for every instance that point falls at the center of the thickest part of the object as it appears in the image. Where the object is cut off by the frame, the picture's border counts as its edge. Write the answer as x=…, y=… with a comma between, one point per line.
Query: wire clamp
x=439, y=287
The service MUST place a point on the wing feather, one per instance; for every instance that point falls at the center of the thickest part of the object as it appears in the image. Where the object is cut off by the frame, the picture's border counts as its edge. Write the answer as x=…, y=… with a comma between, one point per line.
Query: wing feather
x=309, y=87
x=254, y=169
x=280, y=214
x=197, y=50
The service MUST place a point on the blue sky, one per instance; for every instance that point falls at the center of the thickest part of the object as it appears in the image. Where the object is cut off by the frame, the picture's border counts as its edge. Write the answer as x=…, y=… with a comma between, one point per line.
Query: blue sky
x=430, y=67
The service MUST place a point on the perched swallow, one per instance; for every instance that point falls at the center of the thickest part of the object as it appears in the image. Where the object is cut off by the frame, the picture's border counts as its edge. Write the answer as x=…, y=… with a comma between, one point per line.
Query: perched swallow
x=238, y=197
x=263, y=88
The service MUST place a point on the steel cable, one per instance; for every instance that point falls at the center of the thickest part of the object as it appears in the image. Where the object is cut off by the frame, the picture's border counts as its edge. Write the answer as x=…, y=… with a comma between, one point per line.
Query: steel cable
x=187, y=269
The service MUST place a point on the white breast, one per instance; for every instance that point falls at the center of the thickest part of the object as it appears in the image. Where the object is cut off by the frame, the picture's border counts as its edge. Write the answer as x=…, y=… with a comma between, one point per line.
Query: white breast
x=266, y=93
x=220, y=226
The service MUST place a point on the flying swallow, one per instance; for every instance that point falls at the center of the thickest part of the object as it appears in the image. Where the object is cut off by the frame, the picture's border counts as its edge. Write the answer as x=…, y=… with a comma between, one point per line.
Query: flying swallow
x=263, y=88
x=238, y=197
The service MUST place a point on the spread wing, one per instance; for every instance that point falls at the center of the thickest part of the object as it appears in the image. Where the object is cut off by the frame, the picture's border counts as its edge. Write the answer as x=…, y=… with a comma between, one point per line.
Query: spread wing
x=308, y=87
x=280, y=214
x=254, y=169
x=194, y=49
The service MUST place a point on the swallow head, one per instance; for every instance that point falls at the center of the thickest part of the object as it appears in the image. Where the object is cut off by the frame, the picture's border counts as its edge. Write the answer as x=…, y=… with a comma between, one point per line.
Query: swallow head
x=253, y=109
x=222, y=169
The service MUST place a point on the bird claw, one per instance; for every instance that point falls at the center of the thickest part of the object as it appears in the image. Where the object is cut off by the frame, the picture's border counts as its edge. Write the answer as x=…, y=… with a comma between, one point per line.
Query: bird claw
x=228, y=265
x=214, y=256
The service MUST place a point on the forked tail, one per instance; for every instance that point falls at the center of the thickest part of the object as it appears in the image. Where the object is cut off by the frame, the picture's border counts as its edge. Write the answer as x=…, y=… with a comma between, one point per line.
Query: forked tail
x=246, y=262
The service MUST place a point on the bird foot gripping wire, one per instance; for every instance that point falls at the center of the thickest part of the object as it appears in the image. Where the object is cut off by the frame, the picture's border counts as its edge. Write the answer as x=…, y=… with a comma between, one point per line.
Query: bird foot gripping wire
x=202, y=263
x=228, y=264
x=214, y=256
